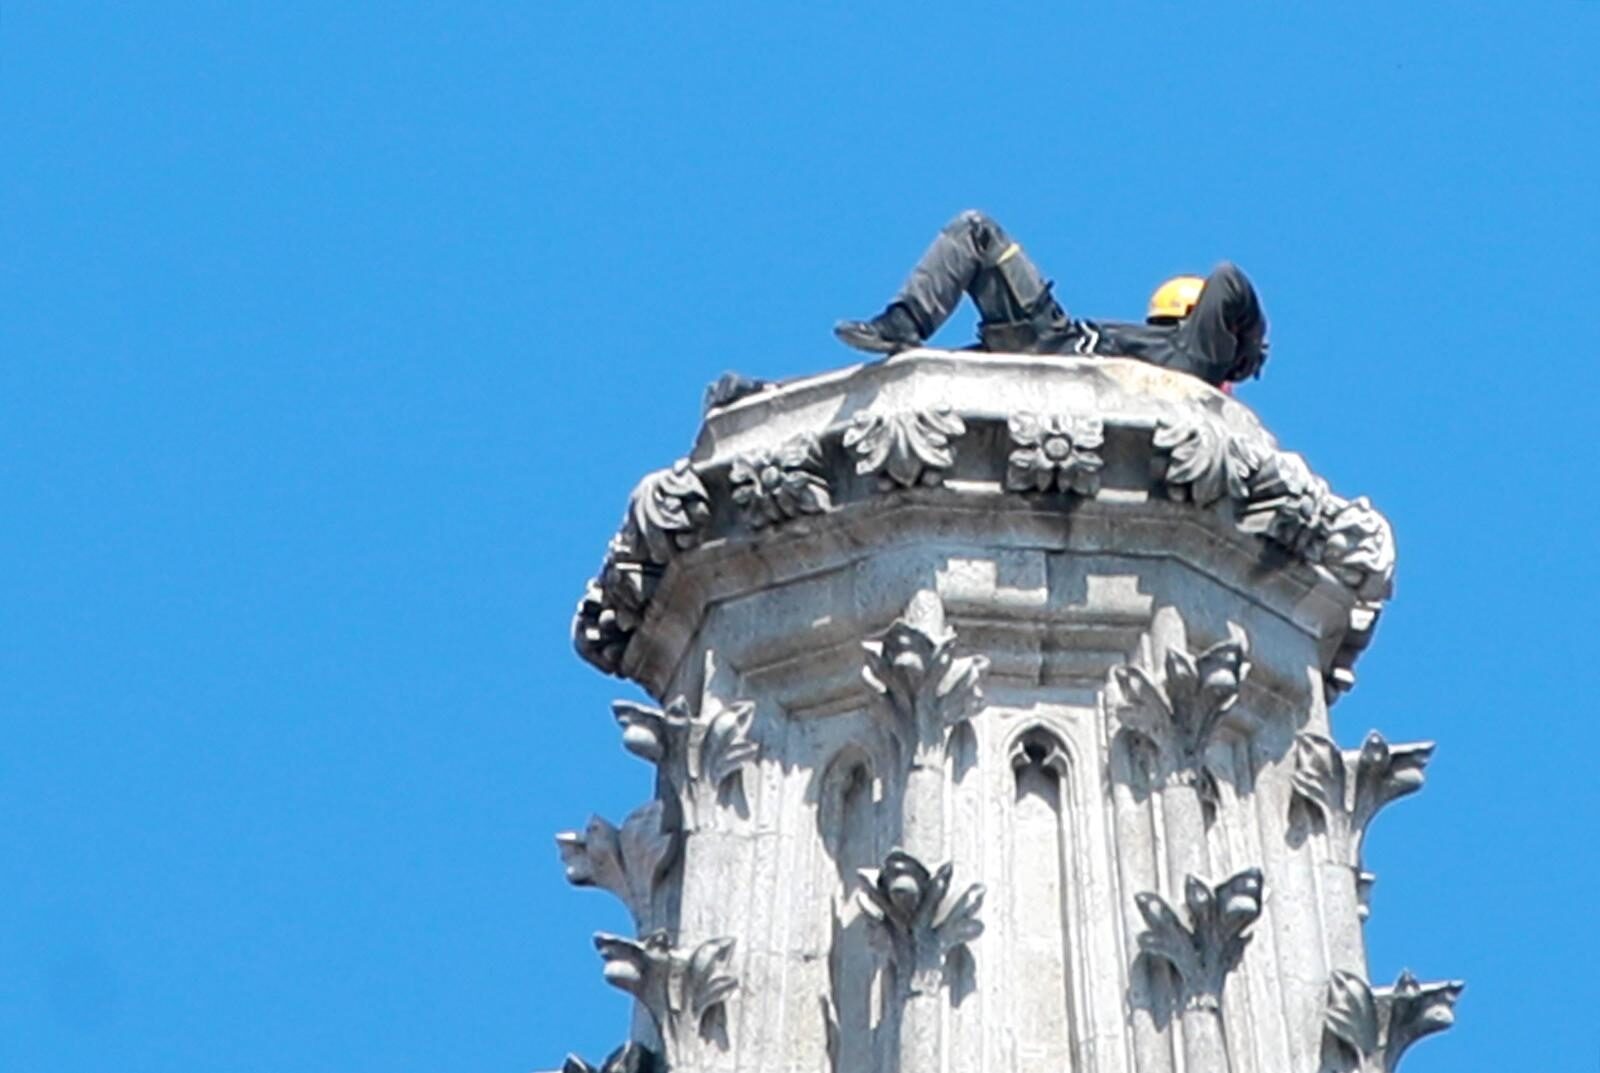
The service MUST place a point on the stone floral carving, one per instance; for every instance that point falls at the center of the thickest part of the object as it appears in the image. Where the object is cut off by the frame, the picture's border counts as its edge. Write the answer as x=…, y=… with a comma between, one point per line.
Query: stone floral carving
x=1204, y=952
x=700, y=757
x=1286, y=503
x=667, y=513
x=1383, y=773
x=1059, y=452
x=1359, y=547
x=682, y=990
x=928, y=688
x=907, y=902
x=629, y=862
x=597, y=631
x=905, y=447
x=629, y=1058
x=770, y=486
x=1201, y=460
x=1370, y=1031
x=1179, y=717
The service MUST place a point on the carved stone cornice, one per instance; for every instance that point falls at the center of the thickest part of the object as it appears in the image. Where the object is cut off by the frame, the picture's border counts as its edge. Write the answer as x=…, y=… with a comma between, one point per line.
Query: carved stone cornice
x=1209, y=947
x=1370, y=1030
x=1116, y=434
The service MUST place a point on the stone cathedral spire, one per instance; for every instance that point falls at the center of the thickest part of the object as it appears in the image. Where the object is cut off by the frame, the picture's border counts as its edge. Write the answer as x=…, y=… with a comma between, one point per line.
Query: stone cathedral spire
x=991, y=733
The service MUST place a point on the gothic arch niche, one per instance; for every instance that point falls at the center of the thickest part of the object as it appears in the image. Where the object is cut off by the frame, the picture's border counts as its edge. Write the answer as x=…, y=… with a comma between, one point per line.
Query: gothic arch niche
x=1045, y=935
x=847, y=817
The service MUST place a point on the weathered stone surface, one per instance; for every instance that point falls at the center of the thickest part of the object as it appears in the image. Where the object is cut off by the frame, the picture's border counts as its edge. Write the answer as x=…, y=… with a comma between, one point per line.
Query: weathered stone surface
x=975, y=663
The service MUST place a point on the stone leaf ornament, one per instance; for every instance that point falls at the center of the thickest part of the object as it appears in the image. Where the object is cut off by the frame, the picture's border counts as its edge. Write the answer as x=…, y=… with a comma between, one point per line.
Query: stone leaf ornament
x=679, y=988
x=1286, y=503
x=908, y=903
x=667, y=513
x=628, y=862
x=1180, y=716
x=1374, y=1029
x=1382, y=773
x=698, y=756
x=629, y=1058
x=1201, y=461
x=1060, y=452
x=1210, y=946
x=771, y=486
x=928, y=688
x=905, y=448
x=597, y=631
x=1359, y=547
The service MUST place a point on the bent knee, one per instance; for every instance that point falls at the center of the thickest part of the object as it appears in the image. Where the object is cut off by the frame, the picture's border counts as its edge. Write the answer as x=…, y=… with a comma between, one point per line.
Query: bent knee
x=972, y=220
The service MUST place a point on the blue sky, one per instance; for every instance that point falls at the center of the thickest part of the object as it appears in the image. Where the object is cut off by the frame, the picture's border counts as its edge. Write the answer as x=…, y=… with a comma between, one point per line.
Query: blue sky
x=334, y=336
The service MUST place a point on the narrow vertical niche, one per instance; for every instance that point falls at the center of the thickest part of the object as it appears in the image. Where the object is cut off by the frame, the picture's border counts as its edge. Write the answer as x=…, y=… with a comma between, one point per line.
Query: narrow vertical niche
x=849, y=821
x=1042, y=891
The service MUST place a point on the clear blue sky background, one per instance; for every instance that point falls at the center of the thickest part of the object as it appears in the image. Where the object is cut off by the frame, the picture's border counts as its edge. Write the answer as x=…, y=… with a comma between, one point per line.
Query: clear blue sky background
x=334, y=336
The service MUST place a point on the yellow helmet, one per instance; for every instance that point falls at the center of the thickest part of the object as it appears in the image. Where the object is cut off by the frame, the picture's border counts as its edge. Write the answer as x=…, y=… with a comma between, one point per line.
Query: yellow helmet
x=1174, y=299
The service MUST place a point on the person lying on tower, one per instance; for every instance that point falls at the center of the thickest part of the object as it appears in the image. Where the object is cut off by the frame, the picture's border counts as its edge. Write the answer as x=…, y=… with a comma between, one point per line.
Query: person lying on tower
x=1212, y=328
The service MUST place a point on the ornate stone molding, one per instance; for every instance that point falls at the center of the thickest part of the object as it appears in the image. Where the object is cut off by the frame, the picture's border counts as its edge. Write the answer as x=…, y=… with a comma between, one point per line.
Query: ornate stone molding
x=904, y=448
x=774, y=485
x=927, y=688
x=629, y=863
x=1059, y=452
x=1205, y=951
x=1382, y=773
x=1196, y=448
x=1370, y=1031
x=1179, y=717
x=629, y=1058
x=700, y=757
x=907, y=902
x=682, y=990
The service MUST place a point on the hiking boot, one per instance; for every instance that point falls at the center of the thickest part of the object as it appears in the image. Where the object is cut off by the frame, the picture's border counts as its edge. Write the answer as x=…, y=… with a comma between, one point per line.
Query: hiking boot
x=891, y=331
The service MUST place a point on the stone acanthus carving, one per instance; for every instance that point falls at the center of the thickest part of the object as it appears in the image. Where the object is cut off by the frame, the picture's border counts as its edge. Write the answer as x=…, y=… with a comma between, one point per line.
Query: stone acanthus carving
x=629, y=862
x=629, y=1058
x=1200, y=460
x=682, y=990
x=1382, y=773
x=699, y=756
x=908, y=903
x=597, y=632
x=1179, y=717
x=770, y=486
x=667, y=513
x=1359, y=547
x=904, y=448
x=1287, y=503
x=1055, y=451
x=1370, y=1031
x=1204, y=952
x=927, y=687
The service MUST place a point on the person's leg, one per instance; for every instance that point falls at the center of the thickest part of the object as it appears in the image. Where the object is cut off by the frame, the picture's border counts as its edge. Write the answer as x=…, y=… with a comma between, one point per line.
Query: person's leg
x=1222, y=336
x=971, y=255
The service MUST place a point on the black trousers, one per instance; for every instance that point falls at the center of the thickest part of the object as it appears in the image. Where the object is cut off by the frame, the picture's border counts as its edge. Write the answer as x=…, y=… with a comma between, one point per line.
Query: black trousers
x=1221, y=339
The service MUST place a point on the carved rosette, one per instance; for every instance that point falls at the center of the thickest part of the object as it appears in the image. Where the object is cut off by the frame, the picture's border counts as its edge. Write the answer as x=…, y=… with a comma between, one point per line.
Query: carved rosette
x=1382, y=773
x=1060, y=452
x=1179, y=717
x=927, y=688
x=1370, y=1031
x=684, y=991
x=629, y=862
x=1209, y=947
x=908, y=904
x=773, y=486
x=905, y=448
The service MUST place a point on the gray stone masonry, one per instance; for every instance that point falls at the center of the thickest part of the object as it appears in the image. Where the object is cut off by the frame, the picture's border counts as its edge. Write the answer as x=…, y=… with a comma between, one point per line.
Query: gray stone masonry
x=990, y=733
